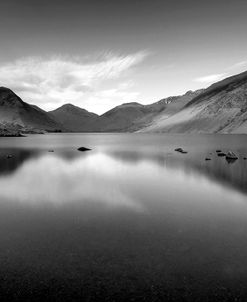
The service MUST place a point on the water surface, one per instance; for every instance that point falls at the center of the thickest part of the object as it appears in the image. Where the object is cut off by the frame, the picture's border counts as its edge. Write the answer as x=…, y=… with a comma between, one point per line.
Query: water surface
x=131, y=220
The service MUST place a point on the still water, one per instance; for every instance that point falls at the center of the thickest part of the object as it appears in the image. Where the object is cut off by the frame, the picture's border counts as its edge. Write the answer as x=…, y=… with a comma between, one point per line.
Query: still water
x=131, y=220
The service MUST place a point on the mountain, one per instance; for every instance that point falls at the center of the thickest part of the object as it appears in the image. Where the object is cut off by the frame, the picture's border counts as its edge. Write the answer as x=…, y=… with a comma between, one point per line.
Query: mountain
x=73, y=118
x=16, y=112
x=165, y=108
x=130, y=117
x=120, y=118
x=221, y=108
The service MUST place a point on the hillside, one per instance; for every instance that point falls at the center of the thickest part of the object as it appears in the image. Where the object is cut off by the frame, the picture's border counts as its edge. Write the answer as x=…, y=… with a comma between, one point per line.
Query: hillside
x=120, y=118
x=130, y=117
x=221, y=108
x=73, y=118
x=14, y=111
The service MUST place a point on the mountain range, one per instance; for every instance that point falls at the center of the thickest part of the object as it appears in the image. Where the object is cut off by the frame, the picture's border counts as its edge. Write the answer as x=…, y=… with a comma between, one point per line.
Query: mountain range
x=220, y=108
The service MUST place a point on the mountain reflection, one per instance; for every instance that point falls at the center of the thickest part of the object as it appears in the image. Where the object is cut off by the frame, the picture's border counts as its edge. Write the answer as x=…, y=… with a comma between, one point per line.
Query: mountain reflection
x=116, y=179
x=65, y=179
x=230, y=174
x=16, y=159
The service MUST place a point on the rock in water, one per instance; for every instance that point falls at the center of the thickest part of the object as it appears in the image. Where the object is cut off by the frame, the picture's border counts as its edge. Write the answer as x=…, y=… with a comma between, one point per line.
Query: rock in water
x=231, y=155
x=221, y=154
x=180, y=150
x=184, y=152
x=83, y=149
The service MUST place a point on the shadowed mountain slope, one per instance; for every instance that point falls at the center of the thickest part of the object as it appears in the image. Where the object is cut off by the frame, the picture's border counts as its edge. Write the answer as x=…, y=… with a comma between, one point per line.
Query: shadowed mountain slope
x=73, y=118
x=14, y=111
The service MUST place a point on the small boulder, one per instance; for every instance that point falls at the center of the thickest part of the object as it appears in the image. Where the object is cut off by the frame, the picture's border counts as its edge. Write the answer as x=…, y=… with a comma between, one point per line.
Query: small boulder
x=231, y=155
x=82, y=149
x=207, y=158
x=184, y=152
x=221, y=154
x=9, y=156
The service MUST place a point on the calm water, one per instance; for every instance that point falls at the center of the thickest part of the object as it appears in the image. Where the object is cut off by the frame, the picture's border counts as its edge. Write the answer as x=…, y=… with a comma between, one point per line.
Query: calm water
x=131, y=220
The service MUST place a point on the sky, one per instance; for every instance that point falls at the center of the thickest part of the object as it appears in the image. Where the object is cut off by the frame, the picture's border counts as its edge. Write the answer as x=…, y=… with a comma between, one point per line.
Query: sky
x=97, y=54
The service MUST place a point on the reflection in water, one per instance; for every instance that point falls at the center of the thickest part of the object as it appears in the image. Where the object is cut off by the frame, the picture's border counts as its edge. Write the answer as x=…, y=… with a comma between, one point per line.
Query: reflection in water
x=118, y=179
x=129, y=221
x=218, y=169
x=17, y=158
x=57, y=180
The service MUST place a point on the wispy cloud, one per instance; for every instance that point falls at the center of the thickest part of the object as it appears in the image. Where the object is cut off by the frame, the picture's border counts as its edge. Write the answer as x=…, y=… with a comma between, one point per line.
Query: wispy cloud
x=241, y=64
x=211, y=78
x=57, y=80
x=229, y=71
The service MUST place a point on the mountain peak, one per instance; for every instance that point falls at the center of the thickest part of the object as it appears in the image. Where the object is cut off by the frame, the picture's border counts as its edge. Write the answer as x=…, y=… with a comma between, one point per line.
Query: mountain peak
x=14, y=110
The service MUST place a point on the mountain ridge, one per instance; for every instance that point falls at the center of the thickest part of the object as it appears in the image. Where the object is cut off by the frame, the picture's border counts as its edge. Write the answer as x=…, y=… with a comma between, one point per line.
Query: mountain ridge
x=73, y=117
x=13, y=110
x=220, y=108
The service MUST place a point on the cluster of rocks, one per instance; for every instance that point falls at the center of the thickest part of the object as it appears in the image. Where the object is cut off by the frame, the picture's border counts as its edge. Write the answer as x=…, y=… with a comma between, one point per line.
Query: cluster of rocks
x=230, y=156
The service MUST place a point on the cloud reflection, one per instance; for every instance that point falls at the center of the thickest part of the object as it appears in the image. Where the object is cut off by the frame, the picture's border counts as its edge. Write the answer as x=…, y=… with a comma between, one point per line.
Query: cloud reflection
x=51, y=179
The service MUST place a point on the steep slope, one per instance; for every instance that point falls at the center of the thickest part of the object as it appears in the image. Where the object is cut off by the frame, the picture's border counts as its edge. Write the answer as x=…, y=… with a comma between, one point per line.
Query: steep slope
x=220, y=108
x=119, y=118
x=14, y=111
x=73, y=118
x=130, y=117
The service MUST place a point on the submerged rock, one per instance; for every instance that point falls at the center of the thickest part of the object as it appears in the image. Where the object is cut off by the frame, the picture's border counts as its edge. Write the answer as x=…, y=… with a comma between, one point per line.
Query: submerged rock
x=83, y=149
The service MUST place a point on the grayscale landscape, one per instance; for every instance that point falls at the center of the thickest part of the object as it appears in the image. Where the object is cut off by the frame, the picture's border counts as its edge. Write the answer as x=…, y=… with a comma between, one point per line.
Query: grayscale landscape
x=123, y=151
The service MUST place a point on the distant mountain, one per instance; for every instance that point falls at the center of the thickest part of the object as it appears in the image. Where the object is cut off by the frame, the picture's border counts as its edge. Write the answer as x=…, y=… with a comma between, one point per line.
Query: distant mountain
x=164, y=108
x=16, y=112
x=130, y=117
x=73, y=118
x=120, y=118
x=221, y=108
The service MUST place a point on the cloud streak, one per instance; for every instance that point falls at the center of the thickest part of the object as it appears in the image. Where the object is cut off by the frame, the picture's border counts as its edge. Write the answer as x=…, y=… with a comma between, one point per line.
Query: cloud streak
x=211, y=78
x=57, y=80
x=230, y=71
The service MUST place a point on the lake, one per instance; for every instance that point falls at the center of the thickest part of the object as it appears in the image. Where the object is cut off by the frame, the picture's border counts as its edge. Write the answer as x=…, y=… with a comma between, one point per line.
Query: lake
x=131, y=220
